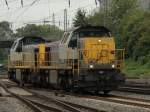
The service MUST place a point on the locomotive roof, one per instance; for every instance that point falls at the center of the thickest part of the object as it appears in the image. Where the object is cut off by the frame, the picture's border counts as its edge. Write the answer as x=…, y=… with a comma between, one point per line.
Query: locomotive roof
x=86, y=28
x=31, y=40
x=31, y=37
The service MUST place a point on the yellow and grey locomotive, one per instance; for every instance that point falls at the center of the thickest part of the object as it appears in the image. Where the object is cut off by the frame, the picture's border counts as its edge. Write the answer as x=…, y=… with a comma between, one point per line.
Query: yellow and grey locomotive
x=85, y=58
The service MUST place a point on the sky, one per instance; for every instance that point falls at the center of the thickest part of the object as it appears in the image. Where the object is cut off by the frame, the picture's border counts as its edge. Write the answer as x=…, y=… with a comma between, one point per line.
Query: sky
x=36, y=11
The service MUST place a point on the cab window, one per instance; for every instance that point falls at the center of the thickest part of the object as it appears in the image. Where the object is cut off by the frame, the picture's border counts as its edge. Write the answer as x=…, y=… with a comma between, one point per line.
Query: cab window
x=93, y=34
x=19, y=47
x=13, y=46
x=73, y=41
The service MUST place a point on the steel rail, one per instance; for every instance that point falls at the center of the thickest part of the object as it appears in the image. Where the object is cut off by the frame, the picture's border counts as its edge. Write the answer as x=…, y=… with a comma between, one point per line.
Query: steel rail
x=122, y=100
x=46, y=107
x=139, y=90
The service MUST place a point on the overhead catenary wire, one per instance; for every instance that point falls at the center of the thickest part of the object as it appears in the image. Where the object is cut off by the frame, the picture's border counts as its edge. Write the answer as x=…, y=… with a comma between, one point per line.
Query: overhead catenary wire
x=22, y=3
x=69, y=2
x=6, y=4
x=28, y=5
x=16, y=9
x=26, y=9
x=47, y=19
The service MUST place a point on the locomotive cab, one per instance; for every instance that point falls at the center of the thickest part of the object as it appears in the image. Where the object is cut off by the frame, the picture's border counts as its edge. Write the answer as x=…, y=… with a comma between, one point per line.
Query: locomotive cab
x=94, y=46
x=21, y=47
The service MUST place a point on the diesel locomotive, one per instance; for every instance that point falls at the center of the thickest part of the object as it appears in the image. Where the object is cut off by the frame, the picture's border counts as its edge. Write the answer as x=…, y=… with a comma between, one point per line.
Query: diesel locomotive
x=85, y=58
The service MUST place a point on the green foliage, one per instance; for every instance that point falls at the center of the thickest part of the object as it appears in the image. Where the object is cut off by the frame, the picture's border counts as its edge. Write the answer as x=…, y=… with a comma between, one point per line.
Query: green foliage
x=136, y=33
x=80, y=18
x=46, y=31
x=119, y=9
x=96, y=19
x=5, y=31
x=134, y=69
x=5, y=34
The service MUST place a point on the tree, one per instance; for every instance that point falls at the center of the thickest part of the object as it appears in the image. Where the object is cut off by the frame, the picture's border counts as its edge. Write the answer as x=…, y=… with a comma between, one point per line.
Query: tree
x=5, y=31
x=136, y=35
x=80, y=18
x=96, y=18
x=5, y=34
x=46, y=31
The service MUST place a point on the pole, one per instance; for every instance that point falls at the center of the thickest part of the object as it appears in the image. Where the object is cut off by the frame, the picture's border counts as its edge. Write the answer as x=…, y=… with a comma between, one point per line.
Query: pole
x=65, y=20
x=53, y=19
x=49, y=9
x=103, y=5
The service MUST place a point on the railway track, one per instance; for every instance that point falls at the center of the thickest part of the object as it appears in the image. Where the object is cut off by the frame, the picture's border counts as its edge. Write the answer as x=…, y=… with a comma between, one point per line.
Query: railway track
x=41, y=103
x=29, y=104
x=135, y=90
x=125, y=100
x=140, y=89
x=69, y=106
x=111, y=98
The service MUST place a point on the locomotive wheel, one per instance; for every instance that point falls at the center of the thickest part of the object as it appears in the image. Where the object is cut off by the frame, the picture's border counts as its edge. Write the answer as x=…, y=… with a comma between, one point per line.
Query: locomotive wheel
x=65, y=83
x=61, y=83
x=96, y=92
x=106, y=92
x=21, y=84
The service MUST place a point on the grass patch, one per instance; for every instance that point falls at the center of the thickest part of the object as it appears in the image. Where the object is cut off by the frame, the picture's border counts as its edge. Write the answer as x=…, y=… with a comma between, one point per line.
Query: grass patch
x=134, y=69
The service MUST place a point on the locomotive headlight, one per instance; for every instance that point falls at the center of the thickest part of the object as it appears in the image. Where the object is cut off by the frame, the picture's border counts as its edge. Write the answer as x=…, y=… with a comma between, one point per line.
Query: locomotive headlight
x=99, y=40
x=91, y=66
x=113, y=66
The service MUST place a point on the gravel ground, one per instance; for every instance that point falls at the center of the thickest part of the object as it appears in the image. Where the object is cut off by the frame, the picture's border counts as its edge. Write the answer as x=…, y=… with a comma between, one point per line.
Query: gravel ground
x=3, y=76
x=97, y=104
x=9, y=104
x=3, y=92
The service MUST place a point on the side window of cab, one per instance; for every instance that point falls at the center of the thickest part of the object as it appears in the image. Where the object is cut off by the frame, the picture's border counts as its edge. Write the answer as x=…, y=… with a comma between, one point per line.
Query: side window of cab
x=73, y=41
x=19, y=47
x=13, y=46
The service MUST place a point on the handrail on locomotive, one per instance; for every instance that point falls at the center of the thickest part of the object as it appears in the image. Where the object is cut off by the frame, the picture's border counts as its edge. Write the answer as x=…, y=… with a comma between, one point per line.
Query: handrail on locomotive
x=43, y=62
